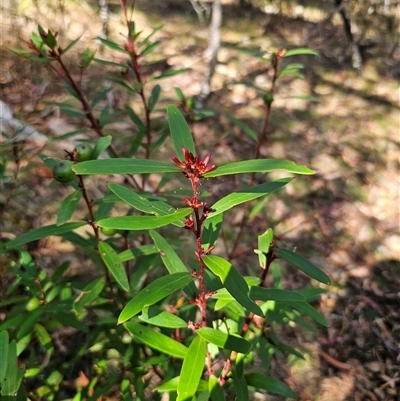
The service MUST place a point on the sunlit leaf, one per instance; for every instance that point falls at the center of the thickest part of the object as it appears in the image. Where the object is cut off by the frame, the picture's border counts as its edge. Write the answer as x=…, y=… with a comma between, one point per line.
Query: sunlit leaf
x=233, y=282
x=68, y=206
x=161, y=318
x=42, y=232
x=245, y=195
x=171, y=259
x=269, y=384
x=303, y=264
x=258, y=166
x=192, y=369
x=180, y=132
x=299, y=51
x=101, y=145
x=124, y=166
x=211, y=229
x=172, y=385
x=156, y=340
x=224, y=340
x=114, y=264
x=154, y=292
x=143, y=222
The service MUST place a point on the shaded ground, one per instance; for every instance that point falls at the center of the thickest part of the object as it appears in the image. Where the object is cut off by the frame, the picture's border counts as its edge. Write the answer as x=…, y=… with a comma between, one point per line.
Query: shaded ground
x=346, y=218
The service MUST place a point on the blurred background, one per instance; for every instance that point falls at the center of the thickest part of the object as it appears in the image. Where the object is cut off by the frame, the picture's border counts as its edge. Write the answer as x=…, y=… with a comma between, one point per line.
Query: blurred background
x=340, y=116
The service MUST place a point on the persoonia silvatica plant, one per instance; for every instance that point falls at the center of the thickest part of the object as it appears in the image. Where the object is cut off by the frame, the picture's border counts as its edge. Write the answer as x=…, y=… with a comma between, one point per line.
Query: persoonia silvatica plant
x=201, y=326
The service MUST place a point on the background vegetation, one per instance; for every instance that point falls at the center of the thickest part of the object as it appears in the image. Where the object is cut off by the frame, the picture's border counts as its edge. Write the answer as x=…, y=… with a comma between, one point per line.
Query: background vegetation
x=339, y=120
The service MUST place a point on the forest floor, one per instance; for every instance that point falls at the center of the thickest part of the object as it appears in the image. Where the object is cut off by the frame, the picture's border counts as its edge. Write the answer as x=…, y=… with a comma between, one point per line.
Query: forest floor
x=345, y=218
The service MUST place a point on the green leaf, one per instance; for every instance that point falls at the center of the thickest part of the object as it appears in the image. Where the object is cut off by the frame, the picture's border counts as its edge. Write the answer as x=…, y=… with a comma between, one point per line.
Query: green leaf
x=240, y=386
x=161, y=318
x=308, y=310
x=245, y=195
x=275, y=294
x=224, y=340
x=136, y=252
x=155, y=95
x=211, y=229
x=141, y=203
x=233, y=282
x=216, y=391
x=171, y=73
x=114, y=264
x=124, y=166
x=258, y=166
x=150, y=48
x=71, y=44
x=269, y=384
x=42, y=232
x=300, y=50
x=68, y=207
x=143, y=222
x=172, y=385
x=13, y=376
x=89, y=294
x=264, y=242
x=4, y=354
x=192, y=369
x=110, y=63
x=156, y=340
x=303, y=264
x=154, y=292
x=111, y=45
x=243, y=126
x=135, y=119
x=180, y=132
x=101, y=145
x=171, y=260
x=311, y=293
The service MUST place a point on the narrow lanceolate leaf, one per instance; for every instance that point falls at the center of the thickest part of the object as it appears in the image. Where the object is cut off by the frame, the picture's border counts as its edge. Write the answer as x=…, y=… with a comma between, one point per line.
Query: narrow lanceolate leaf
x=13, y=377
x=155, y=95
x=211, y=229
x=216, y=391
x=156, y=340
x=161, y=318
x=303, y=264
x=171, y=260
x=240, y=386
x=301, y=50
x=42, y=232
x=258, y=166
x=180, y=132
x=307, y=309
x=135, y=223
x=274, y=294
x=192, y=369
x=246, y=194
x=158, y=208
x=172, y=385
x=269, y=384
x=242, y=125
x=4, y=354
x=124, y=166
x=89, y=294
x=101, y=145
x=224, y=340
x=154, y=292
x=68, y=207
x=233, y=281
x=114, y=264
